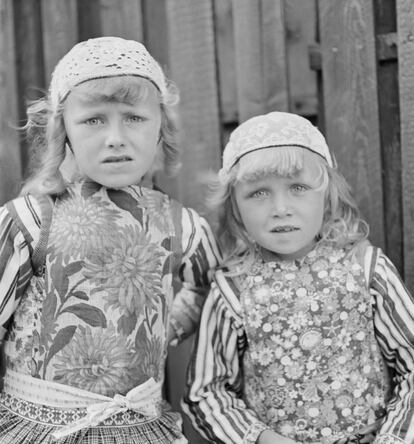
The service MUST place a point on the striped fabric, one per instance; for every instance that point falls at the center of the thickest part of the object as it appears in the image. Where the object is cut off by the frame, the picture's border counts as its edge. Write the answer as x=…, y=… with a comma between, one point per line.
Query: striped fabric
x=214, y=401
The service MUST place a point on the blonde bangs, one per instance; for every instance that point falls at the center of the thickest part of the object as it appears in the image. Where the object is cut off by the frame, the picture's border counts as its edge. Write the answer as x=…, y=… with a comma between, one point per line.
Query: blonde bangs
x=119, y=89
x=285, y=161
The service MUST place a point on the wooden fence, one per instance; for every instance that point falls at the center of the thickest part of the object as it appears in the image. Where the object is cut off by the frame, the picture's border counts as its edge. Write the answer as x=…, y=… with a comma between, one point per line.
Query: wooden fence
x=346, y=65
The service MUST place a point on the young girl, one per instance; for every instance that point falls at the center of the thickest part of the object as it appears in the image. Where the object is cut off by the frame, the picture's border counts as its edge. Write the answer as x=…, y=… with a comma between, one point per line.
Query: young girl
x=88, y=262
x=307, y=334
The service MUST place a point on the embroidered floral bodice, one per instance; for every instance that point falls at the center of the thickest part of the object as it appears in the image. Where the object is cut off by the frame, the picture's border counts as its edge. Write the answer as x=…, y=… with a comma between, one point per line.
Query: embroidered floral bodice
x=313, y=370
x=96, y=318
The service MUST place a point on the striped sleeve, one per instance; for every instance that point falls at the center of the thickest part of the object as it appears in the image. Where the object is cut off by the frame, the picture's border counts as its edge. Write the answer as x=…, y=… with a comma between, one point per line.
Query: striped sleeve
x=200, y=256
x=19, y=232
x=394, y=329
x=213, y=394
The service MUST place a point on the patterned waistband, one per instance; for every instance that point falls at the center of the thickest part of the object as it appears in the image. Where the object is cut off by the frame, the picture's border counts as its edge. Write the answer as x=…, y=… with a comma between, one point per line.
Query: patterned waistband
x=54, y=416
x=72, y=408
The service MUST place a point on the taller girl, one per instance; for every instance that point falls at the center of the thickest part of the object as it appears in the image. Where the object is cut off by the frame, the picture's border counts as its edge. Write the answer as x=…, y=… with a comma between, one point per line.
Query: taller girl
x=88, y=259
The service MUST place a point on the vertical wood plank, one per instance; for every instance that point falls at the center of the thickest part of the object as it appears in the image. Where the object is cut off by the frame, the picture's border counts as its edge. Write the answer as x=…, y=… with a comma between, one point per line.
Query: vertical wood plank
x=10, y=166
x=155, y=30
x=60, y=31
x=300, y=24
x=193, y=68
x=29, y=64
x=351, y=102
x=260, y=57
x=223, y=18
x=121, y=19
x=89, y=21
x=405, y=20
x=389, y=112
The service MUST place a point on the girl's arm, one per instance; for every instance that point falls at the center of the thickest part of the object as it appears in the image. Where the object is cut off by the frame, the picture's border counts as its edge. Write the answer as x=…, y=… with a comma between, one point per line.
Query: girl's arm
x=214, y=383
x=200, y=256
x=19, y=231
x=394, y=328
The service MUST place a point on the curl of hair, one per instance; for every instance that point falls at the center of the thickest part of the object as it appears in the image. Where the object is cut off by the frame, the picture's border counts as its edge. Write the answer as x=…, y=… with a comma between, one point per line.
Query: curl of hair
x=342, y=224
x=46, y=132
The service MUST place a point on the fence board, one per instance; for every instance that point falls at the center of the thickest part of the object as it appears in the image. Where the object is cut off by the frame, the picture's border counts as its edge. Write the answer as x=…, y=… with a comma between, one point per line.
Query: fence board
x=260, y=57
x=122, y=19
x=60, y=31
x=390, y=129
x=405, y=19
x=351, y=102
x=223, y=17
x=10, y=167
x=29, y=63
x=193, y=67
x=300, y=30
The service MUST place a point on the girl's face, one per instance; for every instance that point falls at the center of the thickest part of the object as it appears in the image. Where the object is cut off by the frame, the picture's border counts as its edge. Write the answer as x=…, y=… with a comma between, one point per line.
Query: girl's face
x=283, y=214
x=114, y=141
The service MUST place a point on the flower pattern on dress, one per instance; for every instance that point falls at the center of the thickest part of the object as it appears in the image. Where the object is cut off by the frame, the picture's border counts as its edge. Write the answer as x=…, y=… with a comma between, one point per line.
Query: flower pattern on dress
x=96, y=319
x=97, y=360
x=85, y=225
x=312, y=353
x=128, y=271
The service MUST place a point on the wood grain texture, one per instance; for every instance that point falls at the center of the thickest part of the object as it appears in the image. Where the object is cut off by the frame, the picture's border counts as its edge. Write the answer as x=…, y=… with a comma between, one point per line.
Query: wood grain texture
x=300, y=29
x=405, y=24
x=60, y=31
x=351, y=102
x=260, y=57
x=29, y=64
x=122, y=19
x=389, y=115
x=193, y=68
x=10, y=165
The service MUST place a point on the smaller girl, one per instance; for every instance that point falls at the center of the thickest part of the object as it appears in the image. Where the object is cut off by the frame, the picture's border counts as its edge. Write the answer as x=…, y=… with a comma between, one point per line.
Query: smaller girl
x=89, y=259
x=307, y=334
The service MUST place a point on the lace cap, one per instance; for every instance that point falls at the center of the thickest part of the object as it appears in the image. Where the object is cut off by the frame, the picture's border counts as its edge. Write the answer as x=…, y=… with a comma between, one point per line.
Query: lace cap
x=273, y=130
x=103, y=57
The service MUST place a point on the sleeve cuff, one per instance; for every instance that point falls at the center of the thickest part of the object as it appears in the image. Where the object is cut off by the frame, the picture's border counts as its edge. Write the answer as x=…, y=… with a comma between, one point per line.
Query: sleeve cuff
x=253, y=432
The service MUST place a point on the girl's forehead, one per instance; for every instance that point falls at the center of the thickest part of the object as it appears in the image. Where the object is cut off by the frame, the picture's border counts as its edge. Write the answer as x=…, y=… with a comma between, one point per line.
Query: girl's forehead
x=120, y=90
x=280, y=162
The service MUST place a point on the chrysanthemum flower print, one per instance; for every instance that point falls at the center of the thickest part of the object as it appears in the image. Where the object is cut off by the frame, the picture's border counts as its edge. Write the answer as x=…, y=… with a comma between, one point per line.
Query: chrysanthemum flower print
x=97, y=360
x=129, y=271
x=85, y=225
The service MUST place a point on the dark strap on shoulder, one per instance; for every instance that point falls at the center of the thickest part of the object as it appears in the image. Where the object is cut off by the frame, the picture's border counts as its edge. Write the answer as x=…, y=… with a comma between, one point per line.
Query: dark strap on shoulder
x=176, y=242
x=39, y=254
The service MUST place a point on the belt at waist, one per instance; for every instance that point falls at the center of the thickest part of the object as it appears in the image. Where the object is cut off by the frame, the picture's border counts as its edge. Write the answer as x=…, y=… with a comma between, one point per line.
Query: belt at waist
x=144, y=399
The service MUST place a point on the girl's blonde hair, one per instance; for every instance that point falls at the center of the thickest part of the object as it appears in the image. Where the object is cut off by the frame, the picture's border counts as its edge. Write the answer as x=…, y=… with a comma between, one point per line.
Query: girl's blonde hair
x=342, y=224
x=46, y=131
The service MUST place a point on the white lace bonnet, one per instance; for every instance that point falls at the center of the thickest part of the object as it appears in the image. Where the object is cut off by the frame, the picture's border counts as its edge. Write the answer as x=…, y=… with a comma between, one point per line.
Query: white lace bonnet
x=103, y=57
x=273, y=130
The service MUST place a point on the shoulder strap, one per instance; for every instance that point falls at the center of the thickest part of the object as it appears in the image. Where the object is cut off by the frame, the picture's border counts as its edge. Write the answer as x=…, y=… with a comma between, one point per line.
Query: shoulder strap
x=366, y=255
x=39, y=254
x=176, y=242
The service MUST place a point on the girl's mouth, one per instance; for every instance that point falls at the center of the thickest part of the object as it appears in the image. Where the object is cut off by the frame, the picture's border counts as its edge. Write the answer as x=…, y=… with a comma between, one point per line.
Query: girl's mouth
x=284, y=229
x=117, y=159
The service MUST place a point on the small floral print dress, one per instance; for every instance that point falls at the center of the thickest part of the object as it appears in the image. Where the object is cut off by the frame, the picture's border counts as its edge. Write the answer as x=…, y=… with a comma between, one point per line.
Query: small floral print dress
x=96, y=317
x=313, y=369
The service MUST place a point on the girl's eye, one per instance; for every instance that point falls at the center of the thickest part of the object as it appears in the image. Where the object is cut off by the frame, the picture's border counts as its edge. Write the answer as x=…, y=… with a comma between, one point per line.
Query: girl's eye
x=299, y=188
x=94, y=121
x=259, y=194
x=135, y=119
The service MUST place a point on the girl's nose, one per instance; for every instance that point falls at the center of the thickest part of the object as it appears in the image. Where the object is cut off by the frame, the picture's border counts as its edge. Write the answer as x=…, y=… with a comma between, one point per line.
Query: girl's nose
x=115, y=137
x=280, y=205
